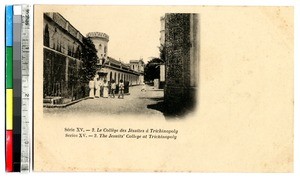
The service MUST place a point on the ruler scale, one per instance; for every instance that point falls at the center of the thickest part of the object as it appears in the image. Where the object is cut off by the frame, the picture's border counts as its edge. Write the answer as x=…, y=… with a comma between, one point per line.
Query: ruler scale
x=25, y=132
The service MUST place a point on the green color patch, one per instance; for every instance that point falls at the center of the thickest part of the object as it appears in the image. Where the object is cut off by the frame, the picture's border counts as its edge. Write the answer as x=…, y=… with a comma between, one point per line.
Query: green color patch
x=9, y=67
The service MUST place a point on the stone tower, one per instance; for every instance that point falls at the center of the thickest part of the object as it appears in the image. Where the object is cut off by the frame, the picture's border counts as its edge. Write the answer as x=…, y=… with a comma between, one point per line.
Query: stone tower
x=100, y=41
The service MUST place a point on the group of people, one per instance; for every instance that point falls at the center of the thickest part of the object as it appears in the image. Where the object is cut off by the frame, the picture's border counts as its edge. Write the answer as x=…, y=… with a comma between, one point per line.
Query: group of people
x=103, y=88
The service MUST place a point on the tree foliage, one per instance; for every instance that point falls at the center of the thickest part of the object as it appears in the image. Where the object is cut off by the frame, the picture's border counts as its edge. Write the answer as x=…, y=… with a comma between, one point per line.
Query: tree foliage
x=152, y=70
x=89, y=58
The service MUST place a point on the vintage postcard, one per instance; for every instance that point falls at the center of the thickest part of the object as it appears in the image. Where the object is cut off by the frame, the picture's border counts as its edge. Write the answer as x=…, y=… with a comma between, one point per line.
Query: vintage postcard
x=163, y=88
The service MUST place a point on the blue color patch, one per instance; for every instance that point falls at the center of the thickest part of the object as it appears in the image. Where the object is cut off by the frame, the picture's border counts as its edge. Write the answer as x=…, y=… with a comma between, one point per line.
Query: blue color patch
x=9, y=25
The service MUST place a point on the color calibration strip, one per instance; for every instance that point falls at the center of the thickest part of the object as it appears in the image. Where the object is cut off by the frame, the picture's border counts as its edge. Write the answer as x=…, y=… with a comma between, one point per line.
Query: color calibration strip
x=9, y=86
x=17, y=59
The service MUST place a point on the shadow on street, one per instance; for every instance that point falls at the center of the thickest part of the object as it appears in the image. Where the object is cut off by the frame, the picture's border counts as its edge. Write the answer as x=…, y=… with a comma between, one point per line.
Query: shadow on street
x=160, y=105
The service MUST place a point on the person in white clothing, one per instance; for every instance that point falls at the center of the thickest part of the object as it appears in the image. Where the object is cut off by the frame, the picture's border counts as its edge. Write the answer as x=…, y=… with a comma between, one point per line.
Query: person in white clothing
x=92, y=87
x=97, y=86
x=121, y=89
x=113, y=88
x=105, y=89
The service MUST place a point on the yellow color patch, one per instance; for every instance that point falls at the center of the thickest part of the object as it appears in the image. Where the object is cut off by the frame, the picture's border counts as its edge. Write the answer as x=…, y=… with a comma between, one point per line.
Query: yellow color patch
x=9, y=109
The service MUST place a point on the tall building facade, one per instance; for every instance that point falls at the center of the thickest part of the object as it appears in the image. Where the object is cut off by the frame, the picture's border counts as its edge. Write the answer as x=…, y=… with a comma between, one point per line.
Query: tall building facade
x=63, y=46
x=182, y=43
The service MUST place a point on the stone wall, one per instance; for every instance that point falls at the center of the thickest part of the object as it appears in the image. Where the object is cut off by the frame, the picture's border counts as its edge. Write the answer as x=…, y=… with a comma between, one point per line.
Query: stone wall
x=62, y=58
x=181, y=62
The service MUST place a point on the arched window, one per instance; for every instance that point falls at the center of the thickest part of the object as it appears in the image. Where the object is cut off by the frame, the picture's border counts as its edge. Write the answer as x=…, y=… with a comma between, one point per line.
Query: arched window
x=54, y=39
x=100, y=47
x=77, y=54
x=46, y=36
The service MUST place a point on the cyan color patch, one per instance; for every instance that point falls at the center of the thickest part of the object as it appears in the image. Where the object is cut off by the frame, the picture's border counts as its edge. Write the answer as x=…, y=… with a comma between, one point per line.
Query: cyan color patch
x=9, y=25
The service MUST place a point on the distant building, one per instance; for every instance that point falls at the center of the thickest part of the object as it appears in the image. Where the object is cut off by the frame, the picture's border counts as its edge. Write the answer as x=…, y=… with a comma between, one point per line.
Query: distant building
x=182, y=61
x=138, y=66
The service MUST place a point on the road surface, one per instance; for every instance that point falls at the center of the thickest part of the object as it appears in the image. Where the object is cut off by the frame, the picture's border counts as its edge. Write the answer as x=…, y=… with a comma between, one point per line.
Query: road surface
x=137, y=102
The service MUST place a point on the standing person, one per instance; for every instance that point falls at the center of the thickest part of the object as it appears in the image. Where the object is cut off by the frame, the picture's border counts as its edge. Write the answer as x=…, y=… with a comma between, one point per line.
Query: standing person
x=97, y=84
x=92, y=87
x=101, y=87
x=121, y=89
x=113, y=88
x=105, y=89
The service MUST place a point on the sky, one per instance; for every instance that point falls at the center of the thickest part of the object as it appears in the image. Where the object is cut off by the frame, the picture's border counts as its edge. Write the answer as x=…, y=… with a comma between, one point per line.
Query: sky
x=133, y=34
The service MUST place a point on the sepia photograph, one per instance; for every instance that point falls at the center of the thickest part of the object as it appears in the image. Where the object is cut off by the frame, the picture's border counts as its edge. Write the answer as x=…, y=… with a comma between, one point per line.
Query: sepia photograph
x=145, y=65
